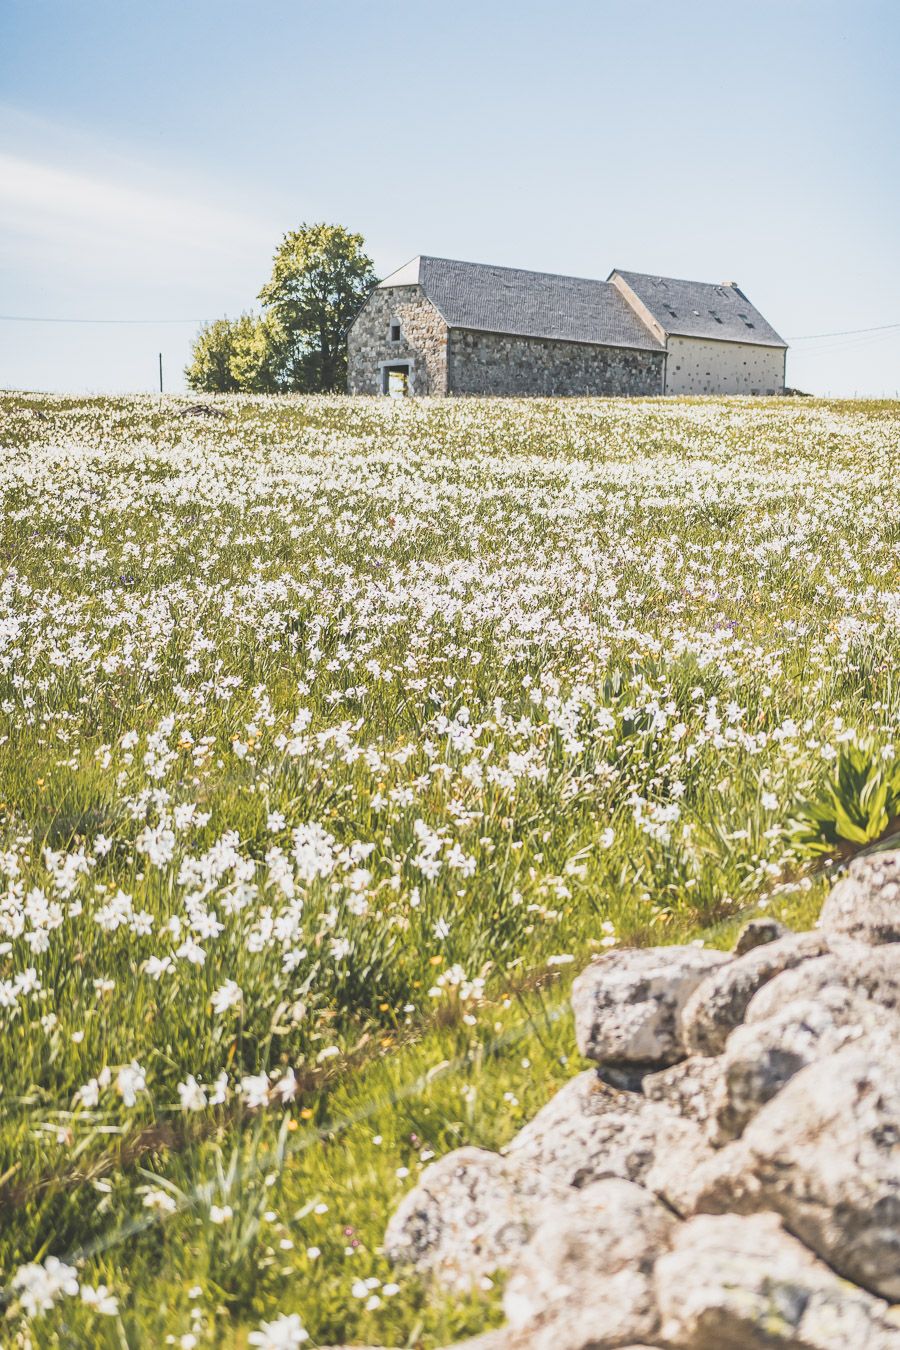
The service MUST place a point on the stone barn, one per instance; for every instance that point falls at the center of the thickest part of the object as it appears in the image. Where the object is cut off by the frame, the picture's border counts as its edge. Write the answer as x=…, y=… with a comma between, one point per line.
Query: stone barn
x=438, y=326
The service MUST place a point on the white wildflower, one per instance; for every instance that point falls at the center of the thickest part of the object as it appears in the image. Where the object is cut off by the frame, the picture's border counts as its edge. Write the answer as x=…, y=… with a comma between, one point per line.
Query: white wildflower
x=191, y=1095
x=285, y=1333
x=227, y=996
x=38, y=1287
x=131, y=1080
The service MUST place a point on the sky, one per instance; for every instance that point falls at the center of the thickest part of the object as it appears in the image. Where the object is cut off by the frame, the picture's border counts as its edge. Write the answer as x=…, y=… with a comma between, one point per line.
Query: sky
x=153, y=155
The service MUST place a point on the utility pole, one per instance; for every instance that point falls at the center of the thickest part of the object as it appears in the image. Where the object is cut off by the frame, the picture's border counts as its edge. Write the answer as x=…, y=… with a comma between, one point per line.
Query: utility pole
x=160, y=374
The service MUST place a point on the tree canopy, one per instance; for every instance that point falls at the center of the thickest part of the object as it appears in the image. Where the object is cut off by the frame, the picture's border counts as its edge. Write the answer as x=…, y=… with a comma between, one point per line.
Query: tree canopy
x=321, y=276
x=210, y=367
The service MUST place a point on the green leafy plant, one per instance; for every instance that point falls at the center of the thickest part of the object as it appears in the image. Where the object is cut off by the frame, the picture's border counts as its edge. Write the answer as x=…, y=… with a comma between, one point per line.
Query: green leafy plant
x=858, y=804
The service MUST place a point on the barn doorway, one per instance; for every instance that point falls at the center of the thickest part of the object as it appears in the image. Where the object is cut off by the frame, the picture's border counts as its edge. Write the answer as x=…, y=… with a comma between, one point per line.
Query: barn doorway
x=395, y=379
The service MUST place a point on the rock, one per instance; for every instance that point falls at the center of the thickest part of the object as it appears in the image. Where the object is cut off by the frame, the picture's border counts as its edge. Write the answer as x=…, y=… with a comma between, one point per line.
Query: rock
x=589, y=1131
x=585, y=1280
x=464, y=1218
x=718, y=1004
x=732, y=1283
x=873, y=972
x=713, y=1184
x=865, y=904
x=794, y=1073
x=800, y=1016
x=627, y=1003
x=687, y=1088
x=825, y=1155
x=684, y=1157
x=761, y=1056
x=473, y=1210
x=757, y=933
x=585, y=1131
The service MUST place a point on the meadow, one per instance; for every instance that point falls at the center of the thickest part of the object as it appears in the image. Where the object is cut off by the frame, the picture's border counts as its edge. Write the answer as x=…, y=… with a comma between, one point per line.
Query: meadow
x=335, y=736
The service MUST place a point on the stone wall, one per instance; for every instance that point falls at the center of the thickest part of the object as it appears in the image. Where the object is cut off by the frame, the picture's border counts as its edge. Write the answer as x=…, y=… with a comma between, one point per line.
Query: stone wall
x=497, y=363
x=726, y=1175
x=423, y=342
x=702, y=366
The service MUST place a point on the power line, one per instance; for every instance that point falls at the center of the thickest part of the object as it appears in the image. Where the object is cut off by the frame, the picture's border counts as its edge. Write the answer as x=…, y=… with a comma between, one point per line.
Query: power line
x=844, y=332
x=31, y=318
x=26, y=318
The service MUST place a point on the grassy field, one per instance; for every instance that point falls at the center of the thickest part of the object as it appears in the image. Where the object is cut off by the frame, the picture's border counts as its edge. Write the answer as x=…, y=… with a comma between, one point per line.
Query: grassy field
x=334, y=737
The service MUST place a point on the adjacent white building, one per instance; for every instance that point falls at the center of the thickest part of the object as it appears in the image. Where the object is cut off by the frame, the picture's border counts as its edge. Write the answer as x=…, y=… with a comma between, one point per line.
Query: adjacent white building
x=716, y=341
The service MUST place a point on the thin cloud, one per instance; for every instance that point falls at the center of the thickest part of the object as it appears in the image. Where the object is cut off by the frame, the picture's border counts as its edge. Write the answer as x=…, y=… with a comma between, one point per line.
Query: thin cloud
x=41, y=200
x=89, y=229
x=86, y=222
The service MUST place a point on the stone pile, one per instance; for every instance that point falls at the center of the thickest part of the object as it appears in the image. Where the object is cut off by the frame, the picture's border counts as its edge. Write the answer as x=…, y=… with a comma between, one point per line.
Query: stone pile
x=727, y=1177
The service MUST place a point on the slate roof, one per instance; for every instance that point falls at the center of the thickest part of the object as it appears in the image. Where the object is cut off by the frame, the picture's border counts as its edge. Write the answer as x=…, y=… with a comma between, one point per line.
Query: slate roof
x=701, y=309
x=527, y=304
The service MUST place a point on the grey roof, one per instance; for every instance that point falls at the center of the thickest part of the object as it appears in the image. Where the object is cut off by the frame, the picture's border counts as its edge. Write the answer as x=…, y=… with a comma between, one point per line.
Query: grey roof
x=701, y=309
x=528, y=304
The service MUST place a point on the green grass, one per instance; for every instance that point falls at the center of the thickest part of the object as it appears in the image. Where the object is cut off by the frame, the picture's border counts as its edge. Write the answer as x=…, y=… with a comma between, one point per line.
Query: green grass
x=539, y=677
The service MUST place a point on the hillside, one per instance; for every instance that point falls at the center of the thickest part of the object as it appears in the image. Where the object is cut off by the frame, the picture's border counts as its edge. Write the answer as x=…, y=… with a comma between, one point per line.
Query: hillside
x=336, y=737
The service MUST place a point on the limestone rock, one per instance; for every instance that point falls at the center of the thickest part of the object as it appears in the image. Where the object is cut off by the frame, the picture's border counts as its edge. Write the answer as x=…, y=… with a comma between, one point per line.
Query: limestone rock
x=873, y=972
x=756, y=933
x=683, y=1158
x=794, y=1073
x=585, y=1279
x=825, y=1155
x=865, y=904
x=464, y=1218
x=627, y=1004
x=761, y=1056
x=714, y=1183
x=718, y=1005
x=473, y=1210
x=732, y=1283
x=688, y=1088
x=589, y=1131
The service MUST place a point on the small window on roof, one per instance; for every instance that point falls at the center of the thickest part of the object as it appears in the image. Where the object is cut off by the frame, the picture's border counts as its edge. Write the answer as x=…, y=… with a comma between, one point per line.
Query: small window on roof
x=715, y=316
x=395, y=330
x=747, y=322
x=670, y=310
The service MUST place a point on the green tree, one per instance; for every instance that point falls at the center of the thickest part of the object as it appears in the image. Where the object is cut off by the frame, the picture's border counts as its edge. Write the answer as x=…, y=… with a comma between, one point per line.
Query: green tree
x=210, y=367
x=260, y=355
x=250, y=354
x=320, y=278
